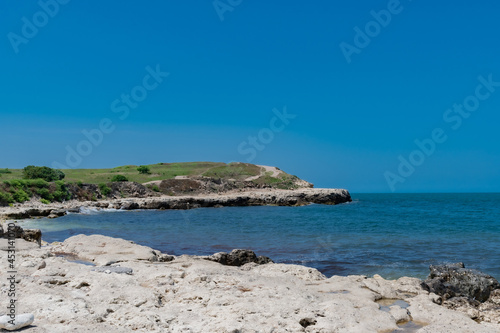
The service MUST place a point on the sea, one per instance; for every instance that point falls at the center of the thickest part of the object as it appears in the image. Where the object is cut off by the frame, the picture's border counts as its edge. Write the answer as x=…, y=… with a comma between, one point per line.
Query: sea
x=392, y=235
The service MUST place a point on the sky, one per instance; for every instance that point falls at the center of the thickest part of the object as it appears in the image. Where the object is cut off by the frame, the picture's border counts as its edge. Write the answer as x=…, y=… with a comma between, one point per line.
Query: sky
x=371, y=96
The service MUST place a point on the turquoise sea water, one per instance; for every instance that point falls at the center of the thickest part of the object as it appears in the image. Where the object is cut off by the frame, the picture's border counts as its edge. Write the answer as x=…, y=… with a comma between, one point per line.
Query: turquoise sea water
x=388, y=234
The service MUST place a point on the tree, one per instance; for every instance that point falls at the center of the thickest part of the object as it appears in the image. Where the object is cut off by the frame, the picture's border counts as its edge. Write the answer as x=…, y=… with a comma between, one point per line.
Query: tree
x=144, y=169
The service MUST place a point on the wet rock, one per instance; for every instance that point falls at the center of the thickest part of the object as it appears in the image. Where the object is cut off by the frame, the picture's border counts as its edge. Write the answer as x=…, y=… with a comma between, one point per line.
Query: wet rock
x=454, y=280
x=58, y=212
x=238, y=257
x=32, y=235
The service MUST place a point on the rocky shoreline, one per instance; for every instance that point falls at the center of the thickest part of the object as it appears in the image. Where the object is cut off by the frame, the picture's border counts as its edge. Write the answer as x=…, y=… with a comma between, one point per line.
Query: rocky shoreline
x=298, y=197
x=98, y=283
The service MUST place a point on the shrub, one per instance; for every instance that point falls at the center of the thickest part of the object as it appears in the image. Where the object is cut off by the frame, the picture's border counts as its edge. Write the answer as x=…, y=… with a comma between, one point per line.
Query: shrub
x=119, y=178
x=155, y=188
x=46, y=202
x=61, y=193
x=79, y=184
x=45, y=173
x=5, y=171
x=45, y=194
x=38, y=183
x=144, y=169
x=20, y=196
x=6, y=198
x=105, y=190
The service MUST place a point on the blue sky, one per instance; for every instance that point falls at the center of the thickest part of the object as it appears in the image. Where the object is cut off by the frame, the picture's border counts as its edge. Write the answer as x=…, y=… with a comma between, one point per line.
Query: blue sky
x=349, y=124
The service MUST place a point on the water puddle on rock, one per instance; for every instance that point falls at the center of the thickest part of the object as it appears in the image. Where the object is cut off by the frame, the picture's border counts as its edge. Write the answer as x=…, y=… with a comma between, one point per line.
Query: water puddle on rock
x=409, y=327
x=386, y=303
x=405, y=327
x=73, y=258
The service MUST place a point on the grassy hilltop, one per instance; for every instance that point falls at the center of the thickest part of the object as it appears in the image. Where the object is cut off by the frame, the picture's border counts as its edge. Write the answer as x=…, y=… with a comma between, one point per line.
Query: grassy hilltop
x=18, y=185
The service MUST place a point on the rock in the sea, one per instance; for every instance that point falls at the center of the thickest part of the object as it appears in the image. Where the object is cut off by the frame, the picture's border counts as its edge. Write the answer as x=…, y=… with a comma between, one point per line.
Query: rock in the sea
x=238, y=257
x=20, y=321
x=32, y=235
x=454, y=280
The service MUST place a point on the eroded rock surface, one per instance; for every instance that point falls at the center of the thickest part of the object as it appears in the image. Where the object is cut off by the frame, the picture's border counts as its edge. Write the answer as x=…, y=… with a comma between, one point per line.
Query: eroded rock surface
x=191, y=294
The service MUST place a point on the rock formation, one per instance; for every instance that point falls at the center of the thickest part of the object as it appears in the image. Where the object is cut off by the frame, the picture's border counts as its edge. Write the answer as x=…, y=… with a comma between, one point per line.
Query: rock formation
x=134, y=288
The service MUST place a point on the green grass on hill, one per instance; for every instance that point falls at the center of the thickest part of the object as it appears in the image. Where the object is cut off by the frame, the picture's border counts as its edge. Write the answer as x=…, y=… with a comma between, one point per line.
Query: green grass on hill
x=158, y=171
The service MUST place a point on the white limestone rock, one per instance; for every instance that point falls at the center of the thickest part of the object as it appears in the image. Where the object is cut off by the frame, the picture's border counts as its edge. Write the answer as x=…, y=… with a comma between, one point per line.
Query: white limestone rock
x=20, y=321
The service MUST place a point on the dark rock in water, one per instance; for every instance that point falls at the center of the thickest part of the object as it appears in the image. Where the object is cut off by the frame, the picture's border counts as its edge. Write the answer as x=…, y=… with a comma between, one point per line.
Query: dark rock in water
x=32, y=235
x=238, y=257
x=454, y=280
x=58, y=212
x=130, y=205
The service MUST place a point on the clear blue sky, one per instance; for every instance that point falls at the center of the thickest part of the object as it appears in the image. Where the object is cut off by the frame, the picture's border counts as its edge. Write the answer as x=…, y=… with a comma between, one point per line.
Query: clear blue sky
x=352, y=120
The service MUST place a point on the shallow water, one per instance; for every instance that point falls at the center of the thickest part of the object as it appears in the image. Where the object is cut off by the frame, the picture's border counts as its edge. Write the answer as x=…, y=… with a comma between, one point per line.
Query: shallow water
x=392, y=235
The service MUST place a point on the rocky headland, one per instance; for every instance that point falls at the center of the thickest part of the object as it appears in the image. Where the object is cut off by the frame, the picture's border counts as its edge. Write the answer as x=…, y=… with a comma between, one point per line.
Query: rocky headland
x=277, y=197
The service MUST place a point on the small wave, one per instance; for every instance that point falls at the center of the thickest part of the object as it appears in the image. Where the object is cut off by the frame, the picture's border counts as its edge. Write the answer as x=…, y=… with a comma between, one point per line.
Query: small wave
x=89, y=211
x=95, y=211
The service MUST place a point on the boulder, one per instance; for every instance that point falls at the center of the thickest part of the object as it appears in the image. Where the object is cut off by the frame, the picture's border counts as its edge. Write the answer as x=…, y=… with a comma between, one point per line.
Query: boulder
x=32, y=235
x=238, y=257
x=104, y=251
x=20, y=321
x=454, y=280
x=58, y=212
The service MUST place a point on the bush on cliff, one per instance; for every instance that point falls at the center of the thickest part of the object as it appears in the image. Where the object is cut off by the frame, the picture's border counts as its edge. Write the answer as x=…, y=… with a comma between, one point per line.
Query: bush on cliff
x=20, y=190
x=45, y=173
x=20, y=196
x=119, y=178
x=105, y=190
x=6, y=198
x=144, y=169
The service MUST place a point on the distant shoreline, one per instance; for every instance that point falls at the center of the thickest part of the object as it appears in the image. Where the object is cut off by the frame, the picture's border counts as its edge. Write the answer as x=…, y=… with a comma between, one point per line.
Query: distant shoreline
x=273, y=197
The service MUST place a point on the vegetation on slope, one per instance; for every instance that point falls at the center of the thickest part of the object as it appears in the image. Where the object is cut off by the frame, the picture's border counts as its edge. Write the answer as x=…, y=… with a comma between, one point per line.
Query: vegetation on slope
x=46, y=184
